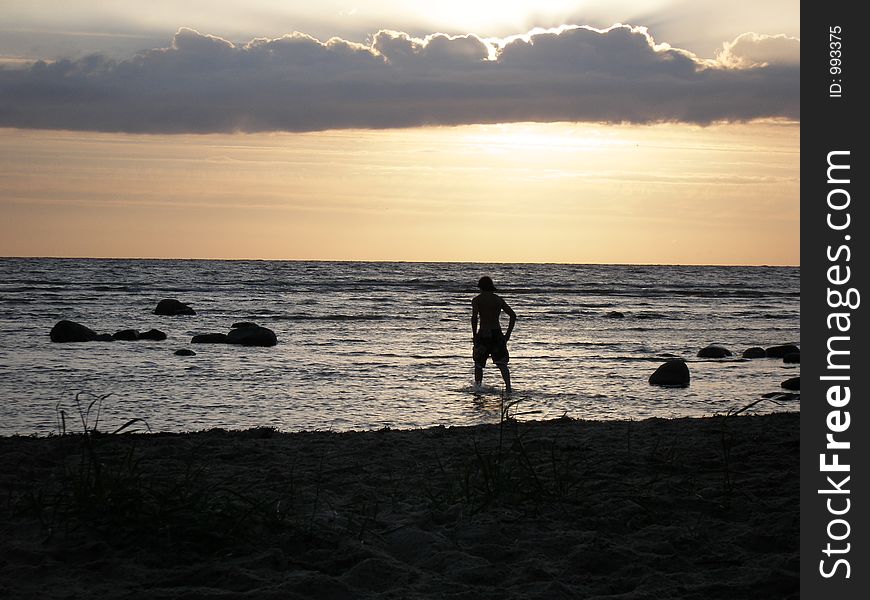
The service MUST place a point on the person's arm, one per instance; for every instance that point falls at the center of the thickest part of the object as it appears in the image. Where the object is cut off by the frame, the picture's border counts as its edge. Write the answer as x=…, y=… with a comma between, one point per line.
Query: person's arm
x=474, y=313
x=510, y=312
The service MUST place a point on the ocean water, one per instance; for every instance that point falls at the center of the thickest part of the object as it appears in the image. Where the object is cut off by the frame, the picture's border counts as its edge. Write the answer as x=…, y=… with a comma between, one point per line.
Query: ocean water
x=371, y=345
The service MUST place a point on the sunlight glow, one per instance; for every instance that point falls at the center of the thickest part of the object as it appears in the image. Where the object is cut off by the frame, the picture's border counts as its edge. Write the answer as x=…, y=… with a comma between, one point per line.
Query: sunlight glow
x=549, y=137
x=523, y=192
x=483, y=16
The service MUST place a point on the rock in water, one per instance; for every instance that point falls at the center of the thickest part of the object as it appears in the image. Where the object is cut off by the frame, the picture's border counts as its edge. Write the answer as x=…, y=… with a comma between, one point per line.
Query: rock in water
x=153, y=334
x=184, y=352
x=793, y=384
x=615, y=314
x=126, y=335
x=781, y=351
x=252, y=336
x=69, y=331
x=673, y=372
x=714, y=351
x=243, y=324
x=209, y=338
x=754, y=352
x=792, y=358
x=171, y=307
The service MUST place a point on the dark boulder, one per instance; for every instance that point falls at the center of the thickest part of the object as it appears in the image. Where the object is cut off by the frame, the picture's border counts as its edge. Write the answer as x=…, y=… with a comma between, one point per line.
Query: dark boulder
x=243, y=324
x=714, y=351
x=126, y=335
x=171, y=307
x=153, y=334
x=754, y=352
x=185, y=352
x=252, y=336
x=793, y=384
x=69, y=331
x=615, y=314
x=673, y=372
x=792, y=358
x=781, y=351
x=209, y=338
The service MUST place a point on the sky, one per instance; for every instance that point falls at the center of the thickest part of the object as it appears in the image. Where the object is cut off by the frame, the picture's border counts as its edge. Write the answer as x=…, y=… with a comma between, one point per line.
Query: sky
x=662, y=132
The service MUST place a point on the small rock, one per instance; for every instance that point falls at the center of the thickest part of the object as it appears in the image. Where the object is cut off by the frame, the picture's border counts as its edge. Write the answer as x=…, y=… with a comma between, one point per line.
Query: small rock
x=781, y=351
x=793, y=384
x=171, y=307
x=153, y=334
x=126, y=335
x=209, y=338
x=252, y=336
x=714, y=351
x=792, y=358
x=70, y=331
x=673, y=372
x=185, y=352
x=615, y=314
x=754, y=352
x=243, y=324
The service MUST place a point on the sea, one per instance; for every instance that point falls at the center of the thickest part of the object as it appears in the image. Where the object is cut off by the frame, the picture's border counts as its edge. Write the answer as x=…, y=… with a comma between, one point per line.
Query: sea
x=372, y=345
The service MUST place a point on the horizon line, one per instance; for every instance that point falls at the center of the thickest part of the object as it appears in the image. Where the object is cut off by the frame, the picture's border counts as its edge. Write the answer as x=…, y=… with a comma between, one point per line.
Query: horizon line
x=346, y=260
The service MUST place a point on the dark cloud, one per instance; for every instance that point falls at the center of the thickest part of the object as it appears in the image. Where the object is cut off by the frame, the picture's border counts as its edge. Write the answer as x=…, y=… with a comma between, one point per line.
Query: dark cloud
x=204, y=83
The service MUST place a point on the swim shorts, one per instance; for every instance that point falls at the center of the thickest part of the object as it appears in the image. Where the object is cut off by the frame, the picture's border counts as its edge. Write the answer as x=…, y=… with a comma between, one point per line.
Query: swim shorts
x=490, y=343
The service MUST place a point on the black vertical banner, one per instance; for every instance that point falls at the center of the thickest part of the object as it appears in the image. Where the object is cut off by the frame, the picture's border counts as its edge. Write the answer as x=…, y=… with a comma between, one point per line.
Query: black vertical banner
x=835, y=432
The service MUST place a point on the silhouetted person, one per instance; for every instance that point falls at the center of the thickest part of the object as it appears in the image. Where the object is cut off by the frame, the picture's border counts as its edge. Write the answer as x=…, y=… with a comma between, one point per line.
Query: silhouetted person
x=489, y=339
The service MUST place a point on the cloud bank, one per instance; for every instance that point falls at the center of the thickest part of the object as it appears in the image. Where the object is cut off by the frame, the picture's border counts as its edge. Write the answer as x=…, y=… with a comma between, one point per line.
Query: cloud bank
x=205, y=84
x=754, y=50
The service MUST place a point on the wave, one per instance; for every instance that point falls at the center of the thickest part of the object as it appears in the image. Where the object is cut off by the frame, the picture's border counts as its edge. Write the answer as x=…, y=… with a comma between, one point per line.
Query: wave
x=593, y=358
x=297, y=317
x=765, y=316
x=573, y=312
x=551, y=282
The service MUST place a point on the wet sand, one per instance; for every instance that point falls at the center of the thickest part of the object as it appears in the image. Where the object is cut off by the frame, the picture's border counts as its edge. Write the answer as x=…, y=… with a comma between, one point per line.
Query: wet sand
x=683, y=508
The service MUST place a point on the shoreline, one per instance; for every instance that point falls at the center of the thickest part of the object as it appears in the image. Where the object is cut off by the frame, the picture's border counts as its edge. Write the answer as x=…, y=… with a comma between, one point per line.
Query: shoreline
x=659, y=508
x=757, y=407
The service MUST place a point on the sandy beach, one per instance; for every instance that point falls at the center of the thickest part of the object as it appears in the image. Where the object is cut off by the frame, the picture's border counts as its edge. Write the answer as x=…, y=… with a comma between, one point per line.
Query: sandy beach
x=684, y=508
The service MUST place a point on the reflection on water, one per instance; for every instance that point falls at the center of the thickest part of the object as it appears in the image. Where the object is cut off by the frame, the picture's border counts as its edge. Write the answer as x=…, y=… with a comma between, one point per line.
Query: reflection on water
x=368, y=345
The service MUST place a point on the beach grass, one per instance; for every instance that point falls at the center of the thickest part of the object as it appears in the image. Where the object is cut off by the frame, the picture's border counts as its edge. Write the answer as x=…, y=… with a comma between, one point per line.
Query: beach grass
x=683, y=508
